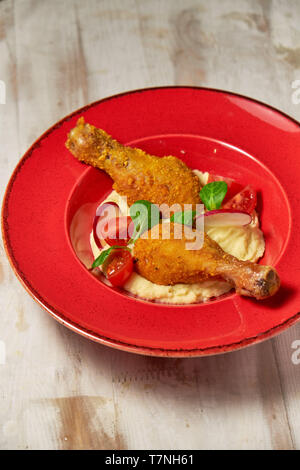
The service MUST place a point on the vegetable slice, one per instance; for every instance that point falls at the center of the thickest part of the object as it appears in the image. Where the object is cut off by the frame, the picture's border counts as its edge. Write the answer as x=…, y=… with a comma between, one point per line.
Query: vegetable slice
x=225, y=217
x=232, y=185
x=116, y=231
x=104, y=255
x=119, y=267
x=107, y=210
x=245, y=200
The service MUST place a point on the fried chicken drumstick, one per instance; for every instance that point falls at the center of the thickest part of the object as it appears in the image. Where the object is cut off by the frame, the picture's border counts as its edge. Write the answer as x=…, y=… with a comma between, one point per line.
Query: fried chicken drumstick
x=168, y=262
x=136, y=174
x=168, y=180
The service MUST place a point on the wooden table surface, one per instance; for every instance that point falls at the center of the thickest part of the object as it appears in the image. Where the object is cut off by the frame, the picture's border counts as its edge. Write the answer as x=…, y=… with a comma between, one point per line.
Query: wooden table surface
x=57, y=389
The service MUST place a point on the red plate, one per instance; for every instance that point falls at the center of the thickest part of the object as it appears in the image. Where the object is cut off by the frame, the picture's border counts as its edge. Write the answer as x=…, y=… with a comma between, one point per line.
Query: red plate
x=51, y=199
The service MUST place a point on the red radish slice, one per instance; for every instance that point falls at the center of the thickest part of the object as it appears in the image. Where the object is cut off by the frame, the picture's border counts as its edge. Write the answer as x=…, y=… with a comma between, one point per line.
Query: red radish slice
x=225, y=217
x=108, y=210
x=117, y=231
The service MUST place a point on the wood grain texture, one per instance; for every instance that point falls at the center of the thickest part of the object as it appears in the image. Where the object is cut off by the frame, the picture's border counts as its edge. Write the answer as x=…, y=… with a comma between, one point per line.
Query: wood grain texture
x=57, y=389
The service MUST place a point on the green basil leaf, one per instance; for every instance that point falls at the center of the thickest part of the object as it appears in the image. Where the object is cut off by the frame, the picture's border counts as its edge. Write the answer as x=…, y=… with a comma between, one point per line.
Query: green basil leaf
x=144, y=215
x=212, y=194
x=184, y=218
x=104, y=255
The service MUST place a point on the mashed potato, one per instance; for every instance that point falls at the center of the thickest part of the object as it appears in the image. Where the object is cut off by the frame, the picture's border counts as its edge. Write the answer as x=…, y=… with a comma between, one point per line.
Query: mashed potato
x=245, y=243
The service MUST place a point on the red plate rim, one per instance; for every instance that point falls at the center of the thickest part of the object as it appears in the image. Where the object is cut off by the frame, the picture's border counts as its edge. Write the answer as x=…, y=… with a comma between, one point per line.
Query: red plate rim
x=143, y=350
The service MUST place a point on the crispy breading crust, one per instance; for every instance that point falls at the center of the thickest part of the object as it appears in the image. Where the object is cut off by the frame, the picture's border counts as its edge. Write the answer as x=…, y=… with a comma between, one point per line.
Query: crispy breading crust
x=167, y=180
x=136, y=174
x=168, y=262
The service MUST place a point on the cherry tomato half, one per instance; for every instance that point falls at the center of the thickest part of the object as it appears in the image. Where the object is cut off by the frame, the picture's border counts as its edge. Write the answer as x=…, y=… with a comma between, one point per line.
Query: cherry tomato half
x=245, y=200
x=118, y=267
x=233, y=186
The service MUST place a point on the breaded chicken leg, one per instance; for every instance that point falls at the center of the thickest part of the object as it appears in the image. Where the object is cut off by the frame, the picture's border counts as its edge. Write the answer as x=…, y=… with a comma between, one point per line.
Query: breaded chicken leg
x=136, y=174
x=168, y=262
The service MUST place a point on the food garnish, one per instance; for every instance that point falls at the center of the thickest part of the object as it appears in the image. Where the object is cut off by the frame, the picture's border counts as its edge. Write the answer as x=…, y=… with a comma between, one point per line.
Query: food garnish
x=144, y=215
x=107, y=210
x=118, y=267
x=115, y=231
x=212, y=194
x=116, y=264
x=105, y=253
x=184, y=217
x=232, y=186
x=245, y=200
x=225, y=217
